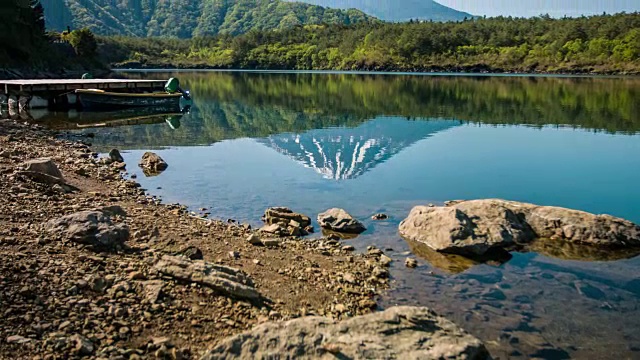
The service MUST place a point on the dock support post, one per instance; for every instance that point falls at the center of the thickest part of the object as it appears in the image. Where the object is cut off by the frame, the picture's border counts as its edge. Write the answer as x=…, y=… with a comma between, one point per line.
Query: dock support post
x=12, y=102
x=24, y=101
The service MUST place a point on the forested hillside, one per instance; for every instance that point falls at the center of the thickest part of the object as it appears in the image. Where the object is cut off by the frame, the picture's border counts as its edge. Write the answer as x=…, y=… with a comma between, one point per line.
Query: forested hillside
x=396, y=10
x=23, y=30
x=603, y=44
x=189, y=18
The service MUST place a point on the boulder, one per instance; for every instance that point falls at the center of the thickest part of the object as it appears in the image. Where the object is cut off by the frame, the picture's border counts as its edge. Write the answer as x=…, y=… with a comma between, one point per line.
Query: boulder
x=397, y=333
x=115, y=156
x=225, y=280
x=582, y=227
x=339, y=220
x=467, y=228
x=92, y=227
x=152, y=164
x=43, y=166
x=477, y=226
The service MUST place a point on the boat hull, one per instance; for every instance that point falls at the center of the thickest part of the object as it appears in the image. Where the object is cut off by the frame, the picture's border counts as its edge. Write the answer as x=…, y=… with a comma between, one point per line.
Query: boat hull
x=97, y=100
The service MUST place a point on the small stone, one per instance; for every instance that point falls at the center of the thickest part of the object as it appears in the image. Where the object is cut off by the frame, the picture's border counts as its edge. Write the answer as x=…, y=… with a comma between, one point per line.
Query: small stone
x=176, y=354
x=334, y=237
x=254, y=239
x=17, y=339
x=372, y=250
x=271, y=242
x=234, y=255
x=115, y=156
x=137, y=275
x=380, y=217
x=83, y=346
x=411, y=263
x=271, y=229
x=160, y=341
x=256, y=261
x=385, y=260
x=192, y=253
x=380, y=272
x=367, y=304
x=348, y=248
x=348, y=277
x=341, y=308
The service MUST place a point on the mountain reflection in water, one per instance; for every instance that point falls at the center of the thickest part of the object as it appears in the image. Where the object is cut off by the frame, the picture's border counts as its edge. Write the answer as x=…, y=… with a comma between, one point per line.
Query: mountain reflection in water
x=346, y=153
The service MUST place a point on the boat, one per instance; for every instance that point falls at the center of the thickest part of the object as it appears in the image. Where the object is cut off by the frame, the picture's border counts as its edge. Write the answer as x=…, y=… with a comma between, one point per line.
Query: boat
x=94, y=99
x=97, y=99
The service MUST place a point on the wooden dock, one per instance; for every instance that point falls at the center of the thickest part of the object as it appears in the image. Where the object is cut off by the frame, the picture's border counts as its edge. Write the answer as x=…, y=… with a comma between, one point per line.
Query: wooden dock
x=33, y=87
x=53, y=92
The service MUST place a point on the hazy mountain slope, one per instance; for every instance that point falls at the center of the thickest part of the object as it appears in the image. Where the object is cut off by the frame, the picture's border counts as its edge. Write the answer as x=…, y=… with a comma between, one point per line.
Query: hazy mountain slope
x=187, y=18
x=396, y=10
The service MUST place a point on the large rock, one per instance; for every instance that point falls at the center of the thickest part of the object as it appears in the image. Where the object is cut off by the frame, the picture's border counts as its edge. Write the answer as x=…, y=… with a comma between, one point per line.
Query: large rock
x=152, y=164
x=398, y=333
x=340, y=221
x=466, y=228
x=43, y=166
x=284, y=216
x=225, y=280
x=93, y=228
x=582, y=227
x=475, y=227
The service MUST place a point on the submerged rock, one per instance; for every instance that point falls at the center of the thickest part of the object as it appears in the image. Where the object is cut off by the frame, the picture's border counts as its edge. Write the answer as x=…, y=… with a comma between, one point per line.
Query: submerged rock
x=152, y=164
x=93, y=228
x=341, y=221
x=379, y=217
x=477, y=226
x=397, y=333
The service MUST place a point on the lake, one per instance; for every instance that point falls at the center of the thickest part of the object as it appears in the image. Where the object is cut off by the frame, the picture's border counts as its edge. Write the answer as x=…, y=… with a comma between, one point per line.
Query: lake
x=385, y=143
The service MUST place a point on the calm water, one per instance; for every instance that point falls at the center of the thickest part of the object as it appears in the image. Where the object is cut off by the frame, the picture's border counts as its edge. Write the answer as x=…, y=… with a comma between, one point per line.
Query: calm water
x=374, y=144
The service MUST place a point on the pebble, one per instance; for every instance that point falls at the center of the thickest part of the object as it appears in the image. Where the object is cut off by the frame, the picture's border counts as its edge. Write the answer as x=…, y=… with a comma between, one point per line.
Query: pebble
x=411, y=263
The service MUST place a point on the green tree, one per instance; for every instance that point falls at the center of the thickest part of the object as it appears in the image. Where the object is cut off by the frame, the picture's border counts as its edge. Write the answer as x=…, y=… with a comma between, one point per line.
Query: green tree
x=84, y=42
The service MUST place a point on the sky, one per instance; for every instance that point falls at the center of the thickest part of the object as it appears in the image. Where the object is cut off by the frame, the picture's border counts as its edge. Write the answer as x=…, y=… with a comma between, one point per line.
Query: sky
x=555, y=8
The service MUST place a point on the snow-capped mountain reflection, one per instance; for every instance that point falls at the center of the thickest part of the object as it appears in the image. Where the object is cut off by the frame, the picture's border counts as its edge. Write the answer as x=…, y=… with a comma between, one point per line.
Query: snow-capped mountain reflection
x=346, y=153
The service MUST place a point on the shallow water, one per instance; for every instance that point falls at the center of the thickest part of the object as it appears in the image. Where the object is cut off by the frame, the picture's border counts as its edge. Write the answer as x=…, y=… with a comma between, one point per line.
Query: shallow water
x=374, y=144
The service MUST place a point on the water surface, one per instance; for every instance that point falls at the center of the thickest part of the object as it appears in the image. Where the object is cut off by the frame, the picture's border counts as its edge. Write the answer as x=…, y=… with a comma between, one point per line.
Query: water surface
x=372, y=144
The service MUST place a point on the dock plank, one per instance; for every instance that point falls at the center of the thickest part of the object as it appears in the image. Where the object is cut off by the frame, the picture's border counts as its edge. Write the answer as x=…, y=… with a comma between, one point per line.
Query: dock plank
x=76, y=81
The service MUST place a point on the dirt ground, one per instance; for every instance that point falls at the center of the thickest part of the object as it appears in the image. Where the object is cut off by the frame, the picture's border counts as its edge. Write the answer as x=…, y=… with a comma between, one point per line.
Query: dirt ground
x=60, y=299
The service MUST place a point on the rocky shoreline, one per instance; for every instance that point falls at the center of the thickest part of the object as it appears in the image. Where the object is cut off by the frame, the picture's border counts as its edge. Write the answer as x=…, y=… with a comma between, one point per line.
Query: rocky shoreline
x=95, y=268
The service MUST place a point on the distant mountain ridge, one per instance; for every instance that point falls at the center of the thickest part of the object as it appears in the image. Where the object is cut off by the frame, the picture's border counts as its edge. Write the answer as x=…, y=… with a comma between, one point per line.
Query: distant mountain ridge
x=189, y=18
x=396, y=10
